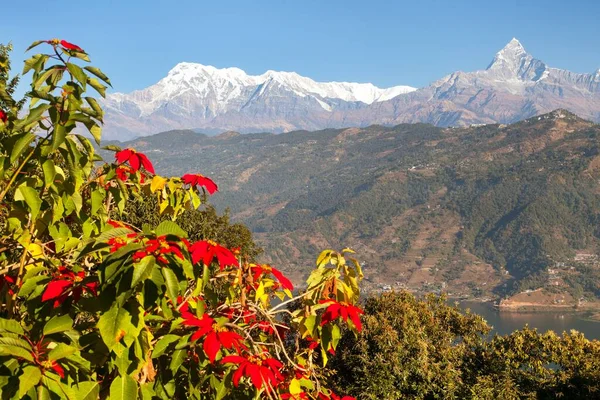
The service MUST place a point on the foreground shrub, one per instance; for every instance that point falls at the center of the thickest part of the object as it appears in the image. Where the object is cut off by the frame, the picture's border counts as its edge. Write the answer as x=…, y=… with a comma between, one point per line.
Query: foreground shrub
x=428, y=349
x=98, y=304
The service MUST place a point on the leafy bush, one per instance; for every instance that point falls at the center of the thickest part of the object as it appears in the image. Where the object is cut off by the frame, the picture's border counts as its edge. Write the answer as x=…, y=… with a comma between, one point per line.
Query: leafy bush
x=97, y=303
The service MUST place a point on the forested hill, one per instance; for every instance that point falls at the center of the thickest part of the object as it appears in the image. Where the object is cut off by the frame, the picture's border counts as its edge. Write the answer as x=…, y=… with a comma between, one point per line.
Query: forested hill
x=488, y=209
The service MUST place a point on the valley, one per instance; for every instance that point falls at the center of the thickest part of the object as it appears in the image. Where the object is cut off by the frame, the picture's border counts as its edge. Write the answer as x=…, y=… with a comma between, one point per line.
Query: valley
x=486, y=212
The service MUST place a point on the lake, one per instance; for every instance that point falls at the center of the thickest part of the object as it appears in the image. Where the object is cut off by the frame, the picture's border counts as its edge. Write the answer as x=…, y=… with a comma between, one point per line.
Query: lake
x=507, y=322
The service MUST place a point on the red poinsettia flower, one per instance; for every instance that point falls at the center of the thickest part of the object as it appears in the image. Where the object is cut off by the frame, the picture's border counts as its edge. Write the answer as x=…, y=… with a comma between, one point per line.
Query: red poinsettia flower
x=261, y=369
x=158, y=248
x=123, y=172
x=207, y=250
x=70, y=46
x=116, y=243
x=343, y=310
x=312, y=343
x=39, y=353
x=258, y=270
x=234, y=314
x=7, y=281
x=135, y=160
x=3, y=116
x=200, y=180
x=116, y=224
x=67, y=283
x=215, y=336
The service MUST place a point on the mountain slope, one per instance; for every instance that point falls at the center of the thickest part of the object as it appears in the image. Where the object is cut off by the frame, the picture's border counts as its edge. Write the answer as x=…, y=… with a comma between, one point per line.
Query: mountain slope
x=488, y=209
x=514, y=86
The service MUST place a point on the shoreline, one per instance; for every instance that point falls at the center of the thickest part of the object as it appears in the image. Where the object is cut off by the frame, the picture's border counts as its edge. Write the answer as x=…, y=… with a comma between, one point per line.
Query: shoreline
x=589, y=313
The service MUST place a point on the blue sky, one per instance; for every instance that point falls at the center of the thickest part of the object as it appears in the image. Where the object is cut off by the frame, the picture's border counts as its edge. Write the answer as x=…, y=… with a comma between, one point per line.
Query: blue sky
x=384, y=42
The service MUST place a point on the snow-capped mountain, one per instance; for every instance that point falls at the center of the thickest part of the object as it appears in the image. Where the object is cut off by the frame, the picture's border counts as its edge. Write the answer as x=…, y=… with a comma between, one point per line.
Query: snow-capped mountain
x=200, y=96
x=514, y=86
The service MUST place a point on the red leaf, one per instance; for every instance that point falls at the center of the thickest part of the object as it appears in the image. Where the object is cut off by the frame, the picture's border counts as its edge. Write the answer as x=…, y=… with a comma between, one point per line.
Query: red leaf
x=58, y=369
x=285, y=282
x=211, y=346
x=123, y=155
x=146, y=163
x=55, y=289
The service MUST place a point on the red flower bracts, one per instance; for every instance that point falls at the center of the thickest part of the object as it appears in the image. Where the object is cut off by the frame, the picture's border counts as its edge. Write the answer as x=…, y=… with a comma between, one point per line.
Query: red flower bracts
x=215, y=336
x=70, y=46
x=39, y=353
x=158, y=248
x=7, y=281
x=3, y=116
x=200, y=180
x=65, y=45
x=135, y=160
x=258, y=270
x=261, y=369
x=343, y=310
x=207, y=250
x=66, y=283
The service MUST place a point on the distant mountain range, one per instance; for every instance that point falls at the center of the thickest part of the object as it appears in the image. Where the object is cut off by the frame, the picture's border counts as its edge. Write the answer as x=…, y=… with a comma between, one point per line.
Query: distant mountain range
x=514, y=86
x=487, y=210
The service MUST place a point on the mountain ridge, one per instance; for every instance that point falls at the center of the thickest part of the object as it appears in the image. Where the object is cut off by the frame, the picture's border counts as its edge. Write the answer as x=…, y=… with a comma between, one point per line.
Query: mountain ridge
x=514, y=86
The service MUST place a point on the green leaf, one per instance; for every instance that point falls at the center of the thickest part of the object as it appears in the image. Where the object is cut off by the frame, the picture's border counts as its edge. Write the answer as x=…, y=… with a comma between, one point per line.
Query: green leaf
x=78, y=73
x=324, y=258
x=58, y=324
x=58, y=136
x=162, y=344
x=100, y=88
x=98, y=73
x=61, y=351
x=29, y=378
x=49, y=172
x=87, y=390
x=123, y=388
x=20, y=145
x=31, y=284
x=142, y=270
x=112, y=233
x=97, y=201
x=95, y=106
x=112, y=147
x=177, y=359
x=170, y=228
x=36, y=62
x=172, y=284
x=95, y=131
x=10, y=325
x=34, y=115
x=19, y=352
x=53, y=383
x=295, y=387
x=113, y=325
x=34, y=44
x=30, y=195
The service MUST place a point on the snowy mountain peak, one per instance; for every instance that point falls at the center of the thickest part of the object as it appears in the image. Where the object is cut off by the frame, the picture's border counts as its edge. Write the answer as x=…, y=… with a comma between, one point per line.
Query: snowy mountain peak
x=510, y=57
x=514, y=63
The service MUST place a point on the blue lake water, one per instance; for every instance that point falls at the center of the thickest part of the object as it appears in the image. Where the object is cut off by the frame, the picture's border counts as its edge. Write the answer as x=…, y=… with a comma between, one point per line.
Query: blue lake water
x=507, y=322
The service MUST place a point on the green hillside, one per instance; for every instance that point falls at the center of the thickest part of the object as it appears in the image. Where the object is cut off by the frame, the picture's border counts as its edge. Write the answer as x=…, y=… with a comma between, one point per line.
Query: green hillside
x=487, y=211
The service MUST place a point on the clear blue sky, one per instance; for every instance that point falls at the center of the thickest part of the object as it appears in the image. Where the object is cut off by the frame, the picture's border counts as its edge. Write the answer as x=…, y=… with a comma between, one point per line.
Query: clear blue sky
x=384, y=42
